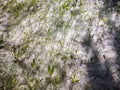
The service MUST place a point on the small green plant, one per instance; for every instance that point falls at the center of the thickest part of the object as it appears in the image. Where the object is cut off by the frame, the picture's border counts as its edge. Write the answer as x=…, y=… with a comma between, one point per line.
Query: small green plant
x=56, y=80
x=28, y=80
x=60, y=42
x=75, y=12
x=50, y=70
x=19, y=51
x=33, y=63
x=37, y=83
x=32, y=83
x=65, y=57
x=74, y=79
x=65, y=6
x=14, y=81
x=59, y=23
x=10, y=83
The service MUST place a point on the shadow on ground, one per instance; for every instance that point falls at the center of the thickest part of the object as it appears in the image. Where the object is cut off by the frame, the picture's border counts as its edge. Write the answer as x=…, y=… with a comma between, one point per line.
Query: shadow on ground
x=101, y=75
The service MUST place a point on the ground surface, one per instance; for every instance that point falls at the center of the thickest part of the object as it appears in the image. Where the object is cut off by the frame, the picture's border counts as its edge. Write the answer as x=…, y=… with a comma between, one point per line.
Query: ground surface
x=59, y=45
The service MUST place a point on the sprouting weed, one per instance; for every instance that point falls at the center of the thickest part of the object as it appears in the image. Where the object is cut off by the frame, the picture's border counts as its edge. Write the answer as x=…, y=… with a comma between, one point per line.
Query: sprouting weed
x=60, y=43
x=14, y=81
x=50, y=70
x=32, y=82
x=33, y=63
x=37, y=83
x=74, y=79
x=75, y=12
x=56, y=80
